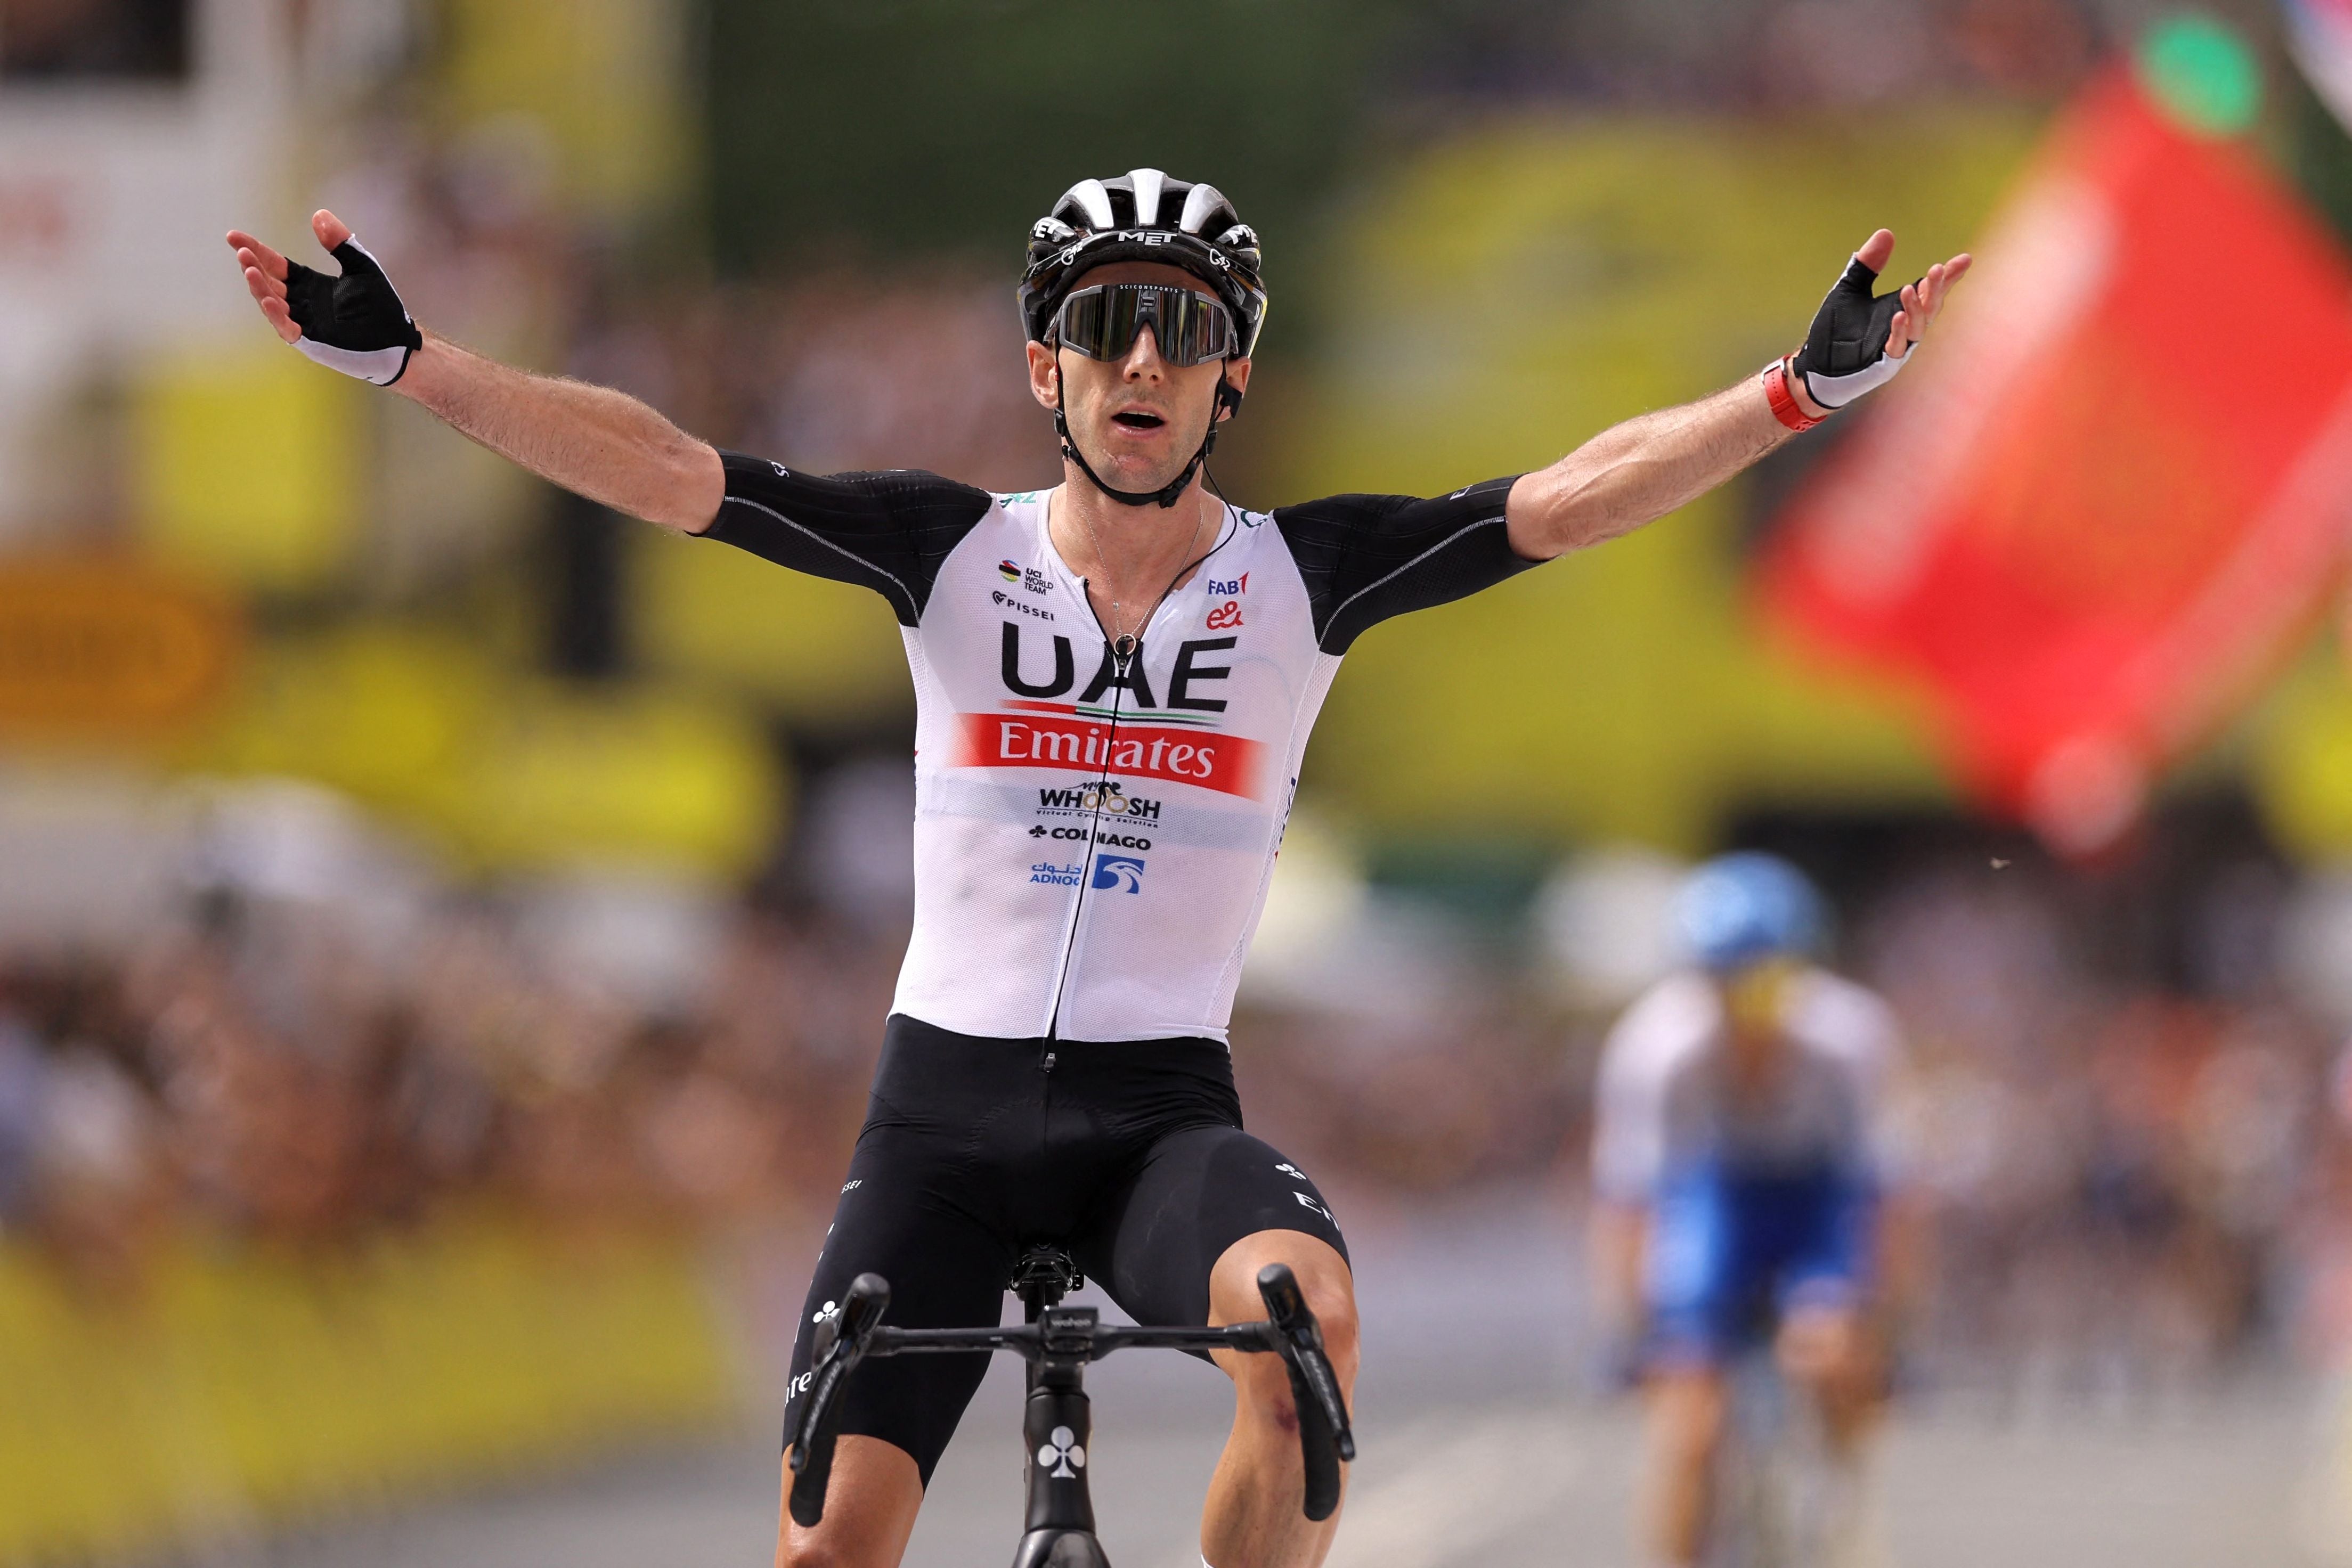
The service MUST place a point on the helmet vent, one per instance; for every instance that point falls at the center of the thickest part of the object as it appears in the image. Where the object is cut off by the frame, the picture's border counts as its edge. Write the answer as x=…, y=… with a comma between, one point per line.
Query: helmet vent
x=1094, y=199
x=1201, y=204
x=1148, y=185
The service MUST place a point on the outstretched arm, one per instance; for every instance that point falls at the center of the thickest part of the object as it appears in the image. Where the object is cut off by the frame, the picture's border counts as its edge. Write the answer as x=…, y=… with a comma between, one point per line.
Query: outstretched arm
x=1638, y=471
x=602, y=443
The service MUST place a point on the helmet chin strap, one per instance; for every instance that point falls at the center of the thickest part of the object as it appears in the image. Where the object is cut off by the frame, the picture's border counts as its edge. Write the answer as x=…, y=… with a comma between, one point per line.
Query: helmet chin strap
x=1168, y=495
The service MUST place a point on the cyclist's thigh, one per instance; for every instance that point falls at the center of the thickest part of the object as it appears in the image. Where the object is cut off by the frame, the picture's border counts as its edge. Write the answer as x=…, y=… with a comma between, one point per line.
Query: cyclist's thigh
x=1829, y=1259
x=898, y=1218
x=1198, y=1192
x=1698, y=1276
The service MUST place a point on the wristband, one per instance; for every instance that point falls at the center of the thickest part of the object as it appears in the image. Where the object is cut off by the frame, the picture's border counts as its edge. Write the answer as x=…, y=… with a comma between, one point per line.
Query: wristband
x=1785, y=407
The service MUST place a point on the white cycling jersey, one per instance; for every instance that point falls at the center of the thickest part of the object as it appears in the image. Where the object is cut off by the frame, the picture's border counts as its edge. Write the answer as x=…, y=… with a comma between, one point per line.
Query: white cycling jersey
x=1092, y=840
x=1668, y=1106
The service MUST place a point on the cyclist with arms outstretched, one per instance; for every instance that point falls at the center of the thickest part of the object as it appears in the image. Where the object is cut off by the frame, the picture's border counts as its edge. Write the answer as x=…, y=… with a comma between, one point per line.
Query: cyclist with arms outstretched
x=1114, y=679
x=1745, y=1166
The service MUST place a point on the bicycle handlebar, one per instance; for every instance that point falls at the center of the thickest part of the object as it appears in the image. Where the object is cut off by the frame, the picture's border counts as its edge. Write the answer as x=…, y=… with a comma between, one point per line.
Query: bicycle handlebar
x=1289, y=1331
x=1324, y=1436
x=841, y=1344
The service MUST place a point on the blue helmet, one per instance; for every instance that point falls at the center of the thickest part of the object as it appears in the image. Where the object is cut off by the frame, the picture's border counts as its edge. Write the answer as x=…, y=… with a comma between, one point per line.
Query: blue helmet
x=1739, y=908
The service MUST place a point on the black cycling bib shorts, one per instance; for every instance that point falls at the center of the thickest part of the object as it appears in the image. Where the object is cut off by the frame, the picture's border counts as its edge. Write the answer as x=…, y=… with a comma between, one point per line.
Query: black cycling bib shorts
x=1131, y=1155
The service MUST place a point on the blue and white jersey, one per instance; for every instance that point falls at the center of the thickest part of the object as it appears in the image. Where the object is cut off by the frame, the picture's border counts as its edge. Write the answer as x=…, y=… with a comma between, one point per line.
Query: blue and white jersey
x=1093, y=843
x=1668, y=1108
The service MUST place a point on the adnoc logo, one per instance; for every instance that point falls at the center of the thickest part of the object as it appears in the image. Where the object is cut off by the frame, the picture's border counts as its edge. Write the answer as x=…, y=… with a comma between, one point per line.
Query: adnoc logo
x=1118, y=874
x=1010, y=570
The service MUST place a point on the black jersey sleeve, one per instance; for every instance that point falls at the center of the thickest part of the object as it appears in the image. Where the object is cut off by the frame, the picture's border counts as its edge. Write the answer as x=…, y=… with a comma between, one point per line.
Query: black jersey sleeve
x=1366, y=558
x=887, y=531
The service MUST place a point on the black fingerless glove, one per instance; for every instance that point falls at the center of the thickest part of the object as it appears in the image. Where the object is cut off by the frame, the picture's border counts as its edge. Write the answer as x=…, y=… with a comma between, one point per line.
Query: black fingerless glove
x=1844, y=354
x=355, y=323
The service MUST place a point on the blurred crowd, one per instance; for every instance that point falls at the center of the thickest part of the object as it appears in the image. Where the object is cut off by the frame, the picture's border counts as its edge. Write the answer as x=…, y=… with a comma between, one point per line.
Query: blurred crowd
x=2122, y=1174
x=257, y=1067
x=2134, y=1182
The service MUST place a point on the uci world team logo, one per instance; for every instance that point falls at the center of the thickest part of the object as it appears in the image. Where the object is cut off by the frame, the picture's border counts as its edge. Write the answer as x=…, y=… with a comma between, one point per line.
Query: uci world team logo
x=1118, y=874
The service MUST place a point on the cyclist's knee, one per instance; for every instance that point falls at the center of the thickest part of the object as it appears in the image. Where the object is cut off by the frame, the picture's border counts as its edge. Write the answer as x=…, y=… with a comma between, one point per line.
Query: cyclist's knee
x=869, y=1511
x=1261, y=1381
x=1825, y=1349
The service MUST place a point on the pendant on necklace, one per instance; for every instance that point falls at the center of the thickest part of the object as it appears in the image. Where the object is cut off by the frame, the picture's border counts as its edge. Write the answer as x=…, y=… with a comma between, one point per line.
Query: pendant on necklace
x=1123, y=646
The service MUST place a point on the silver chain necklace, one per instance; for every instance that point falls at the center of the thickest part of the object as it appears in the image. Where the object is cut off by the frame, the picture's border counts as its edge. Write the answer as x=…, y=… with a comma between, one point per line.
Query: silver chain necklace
x=1123, y=643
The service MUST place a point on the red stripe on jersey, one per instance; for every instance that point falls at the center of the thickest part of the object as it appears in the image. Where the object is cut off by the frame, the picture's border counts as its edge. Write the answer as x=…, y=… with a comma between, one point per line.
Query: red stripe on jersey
x=1226, y=763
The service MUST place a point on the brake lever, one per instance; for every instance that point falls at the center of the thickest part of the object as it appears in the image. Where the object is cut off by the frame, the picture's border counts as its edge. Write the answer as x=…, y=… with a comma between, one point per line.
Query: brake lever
x=840, y=1346
x=1325, y=1437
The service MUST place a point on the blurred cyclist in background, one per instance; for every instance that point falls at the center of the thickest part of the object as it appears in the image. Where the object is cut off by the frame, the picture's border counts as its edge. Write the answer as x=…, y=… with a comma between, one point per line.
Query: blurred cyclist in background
x=1743, y=1177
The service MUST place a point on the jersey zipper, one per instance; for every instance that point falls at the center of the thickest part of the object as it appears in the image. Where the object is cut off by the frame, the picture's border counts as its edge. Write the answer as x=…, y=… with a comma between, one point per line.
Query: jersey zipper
x=1123, y=668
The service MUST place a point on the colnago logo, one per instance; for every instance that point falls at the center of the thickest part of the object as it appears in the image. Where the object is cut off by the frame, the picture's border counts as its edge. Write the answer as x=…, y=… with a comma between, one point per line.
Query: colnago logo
x=1057, y=1456
x=1048, y=875
x=1118, y=874
x=1093, y=836
x=1107, y=795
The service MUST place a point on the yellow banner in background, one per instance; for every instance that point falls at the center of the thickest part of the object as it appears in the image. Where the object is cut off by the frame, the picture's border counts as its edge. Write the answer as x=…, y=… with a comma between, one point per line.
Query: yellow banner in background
x=1534, y=282
x=597, y=85
x=246, y=1387
x=248, y=468
x=104, y=647
x=815, y=652
x=508, y=770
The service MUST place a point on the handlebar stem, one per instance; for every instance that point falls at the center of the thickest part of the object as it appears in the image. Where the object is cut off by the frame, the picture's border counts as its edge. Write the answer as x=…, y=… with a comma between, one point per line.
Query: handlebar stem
x=1056, y=1425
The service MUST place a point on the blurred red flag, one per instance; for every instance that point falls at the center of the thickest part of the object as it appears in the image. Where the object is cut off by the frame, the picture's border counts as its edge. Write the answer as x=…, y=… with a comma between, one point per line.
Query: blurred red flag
x=2113, y=495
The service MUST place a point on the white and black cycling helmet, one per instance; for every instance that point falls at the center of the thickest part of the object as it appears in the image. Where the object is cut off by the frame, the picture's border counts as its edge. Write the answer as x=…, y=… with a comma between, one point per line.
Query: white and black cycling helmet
x=1143, y=216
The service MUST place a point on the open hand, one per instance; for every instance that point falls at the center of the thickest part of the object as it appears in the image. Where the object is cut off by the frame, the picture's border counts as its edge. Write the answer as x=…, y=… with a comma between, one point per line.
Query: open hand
x=264, y=269
x=1921, y=299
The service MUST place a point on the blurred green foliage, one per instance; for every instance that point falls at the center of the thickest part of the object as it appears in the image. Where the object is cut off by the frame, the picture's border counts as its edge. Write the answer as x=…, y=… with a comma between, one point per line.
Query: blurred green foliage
x=840, y=126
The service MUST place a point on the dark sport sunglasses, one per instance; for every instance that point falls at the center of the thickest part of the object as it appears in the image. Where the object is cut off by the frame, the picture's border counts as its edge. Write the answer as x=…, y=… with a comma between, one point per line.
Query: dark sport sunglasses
x=1190, y=329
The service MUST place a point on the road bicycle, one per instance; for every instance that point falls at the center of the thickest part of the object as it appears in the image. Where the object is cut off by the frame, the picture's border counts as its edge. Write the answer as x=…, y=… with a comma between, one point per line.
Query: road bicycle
x=1781, y=1498
x=1057, y=1422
